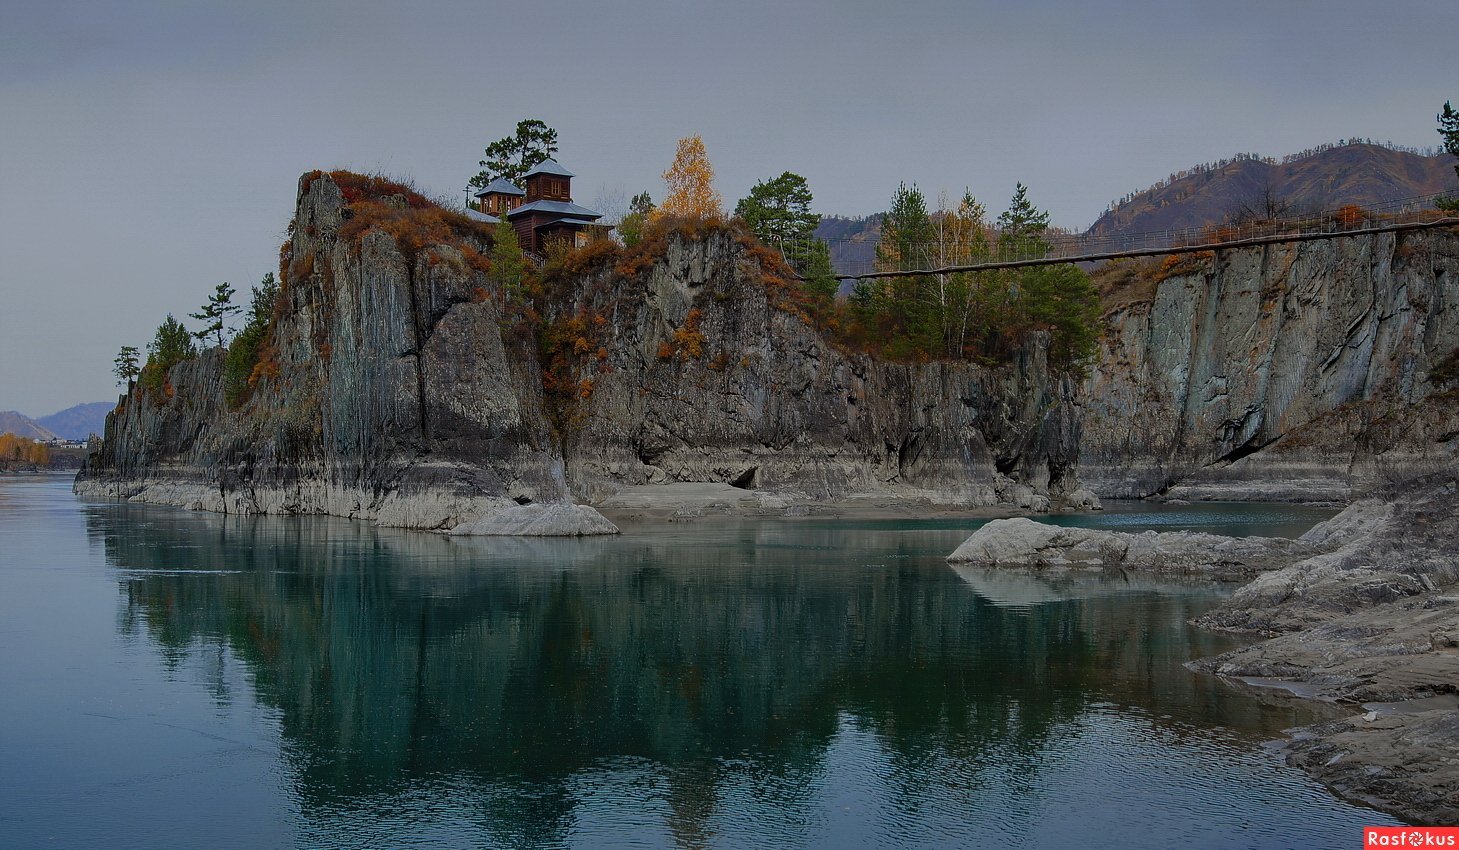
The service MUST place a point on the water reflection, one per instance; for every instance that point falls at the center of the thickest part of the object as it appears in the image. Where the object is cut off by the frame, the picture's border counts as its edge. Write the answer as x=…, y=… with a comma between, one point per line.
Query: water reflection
x=697, y=681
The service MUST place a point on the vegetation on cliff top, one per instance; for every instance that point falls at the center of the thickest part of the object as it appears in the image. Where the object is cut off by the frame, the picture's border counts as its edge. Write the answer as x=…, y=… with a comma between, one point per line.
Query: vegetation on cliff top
x=413, y=220
x=986, y=316
x=170, y=345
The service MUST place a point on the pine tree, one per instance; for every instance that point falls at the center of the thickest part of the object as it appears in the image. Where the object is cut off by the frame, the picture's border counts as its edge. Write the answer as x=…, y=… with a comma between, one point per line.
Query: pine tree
x=1449, y=131
x=508, y=263
x=126, y=367
x=820, y=277
x=512, y=157
x=215, y=313
x=1022, y=227
x=690, y=183
x=906, y=232
x=171, y=345
x=905, y=307
x=244, y=351
x=779, y=210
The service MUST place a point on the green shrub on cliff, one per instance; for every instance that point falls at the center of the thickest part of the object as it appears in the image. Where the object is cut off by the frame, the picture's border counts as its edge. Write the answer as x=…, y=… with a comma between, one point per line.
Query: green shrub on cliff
x=171, y=345
x=640, y=209
x=508, y=264
x=243, y=353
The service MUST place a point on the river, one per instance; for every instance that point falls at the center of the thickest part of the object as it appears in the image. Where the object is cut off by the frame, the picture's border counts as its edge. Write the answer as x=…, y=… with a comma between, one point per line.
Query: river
x=191, y=680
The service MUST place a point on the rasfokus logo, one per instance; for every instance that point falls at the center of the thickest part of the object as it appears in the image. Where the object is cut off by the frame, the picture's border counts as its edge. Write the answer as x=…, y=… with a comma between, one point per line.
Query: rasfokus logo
x=1411, y=836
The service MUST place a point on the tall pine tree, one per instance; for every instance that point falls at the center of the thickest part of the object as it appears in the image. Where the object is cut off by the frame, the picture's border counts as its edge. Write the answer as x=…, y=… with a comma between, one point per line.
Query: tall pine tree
x=1449, y=131
x=1022, y=227
x=215, y=313
x=778, y=212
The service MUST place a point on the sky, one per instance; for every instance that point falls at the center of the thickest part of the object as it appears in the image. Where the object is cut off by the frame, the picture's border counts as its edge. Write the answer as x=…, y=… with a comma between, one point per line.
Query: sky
x=150, y=150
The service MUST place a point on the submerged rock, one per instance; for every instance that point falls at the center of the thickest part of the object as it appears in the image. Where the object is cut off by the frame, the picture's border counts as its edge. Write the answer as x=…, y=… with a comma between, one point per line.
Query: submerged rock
x=554, y=520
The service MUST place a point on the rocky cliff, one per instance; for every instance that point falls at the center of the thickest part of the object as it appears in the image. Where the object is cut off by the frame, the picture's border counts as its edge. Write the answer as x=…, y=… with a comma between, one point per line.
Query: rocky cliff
x=1303, y=371
x=706, y=377
x=387, y=394
x=401, y=384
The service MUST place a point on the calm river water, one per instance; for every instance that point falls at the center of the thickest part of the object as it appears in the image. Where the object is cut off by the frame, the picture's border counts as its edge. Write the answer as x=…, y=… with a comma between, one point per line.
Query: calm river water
x=177, y=679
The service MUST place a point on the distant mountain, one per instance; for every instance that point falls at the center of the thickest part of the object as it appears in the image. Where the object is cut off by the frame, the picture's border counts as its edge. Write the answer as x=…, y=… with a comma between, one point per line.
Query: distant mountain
x=21, y=425
x=852, y=241
x=1323, y=178
x=79, y=422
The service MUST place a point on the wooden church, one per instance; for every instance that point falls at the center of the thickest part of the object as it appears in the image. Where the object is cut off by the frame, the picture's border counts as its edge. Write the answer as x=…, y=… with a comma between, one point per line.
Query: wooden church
x=544, y=210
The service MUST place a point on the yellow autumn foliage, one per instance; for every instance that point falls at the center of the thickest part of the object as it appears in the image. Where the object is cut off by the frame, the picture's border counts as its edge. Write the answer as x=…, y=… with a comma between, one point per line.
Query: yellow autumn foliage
x=23, y=450
x=690, y=191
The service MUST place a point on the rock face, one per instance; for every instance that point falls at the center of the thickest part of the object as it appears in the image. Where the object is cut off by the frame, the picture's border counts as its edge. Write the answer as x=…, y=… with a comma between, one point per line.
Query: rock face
x=393, y=398
x=400, y=389
x=1020, y=542
x=706, y=379
x=1297, y=372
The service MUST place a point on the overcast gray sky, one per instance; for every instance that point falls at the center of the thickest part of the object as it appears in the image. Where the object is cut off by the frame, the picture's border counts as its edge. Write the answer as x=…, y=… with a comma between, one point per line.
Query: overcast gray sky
x=149, y=150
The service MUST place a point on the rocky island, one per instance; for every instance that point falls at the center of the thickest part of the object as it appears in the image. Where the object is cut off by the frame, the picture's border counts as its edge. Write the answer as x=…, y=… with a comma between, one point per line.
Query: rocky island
x=401, y=383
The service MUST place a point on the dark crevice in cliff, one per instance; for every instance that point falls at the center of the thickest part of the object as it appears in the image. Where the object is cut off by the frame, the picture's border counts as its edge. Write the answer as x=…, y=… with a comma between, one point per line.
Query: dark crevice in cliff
x=1244, y=450
x=746, y=479
x=908, y=453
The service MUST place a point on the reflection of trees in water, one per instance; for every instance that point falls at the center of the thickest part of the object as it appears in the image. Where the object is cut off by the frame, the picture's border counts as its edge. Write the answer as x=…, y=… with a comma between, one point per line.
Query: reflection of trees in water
x=399, y=657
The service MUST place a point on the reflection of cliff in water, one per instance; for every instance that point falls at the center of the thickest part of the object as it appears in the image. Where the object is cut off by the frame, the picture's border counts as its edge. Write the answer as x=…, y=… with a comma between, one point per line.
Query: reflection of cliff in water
x=396, y=658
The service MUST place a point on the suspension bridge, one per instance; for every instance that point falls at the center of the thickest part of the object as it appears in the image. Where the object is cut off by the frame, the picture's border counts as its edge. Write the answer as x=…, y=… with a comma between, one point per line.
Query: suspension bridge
x=954, y=255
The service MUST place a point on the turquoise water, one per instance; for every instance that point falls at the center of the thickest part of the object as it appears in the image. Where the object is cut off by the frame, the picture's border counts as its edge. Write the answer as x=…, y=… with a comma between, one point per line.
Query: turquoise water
x=176, y=679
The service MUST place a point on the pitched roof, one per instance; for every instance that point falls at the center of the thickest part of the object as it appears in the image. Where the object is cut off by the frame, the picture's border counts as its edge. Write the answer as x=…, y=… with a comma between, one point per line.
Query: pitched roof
x=564, y=208
x=549, y=166
x=477, y=215
x=582, y=221
x=499, y=186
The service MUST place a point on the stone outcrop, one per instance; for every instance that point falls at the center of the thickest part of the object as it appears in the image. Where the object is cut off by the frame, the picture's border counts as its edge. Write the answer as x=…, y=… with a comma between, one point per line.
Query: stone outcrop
x=1021, y=542
x=1362, y=609
x=1395, y=544
x=1294, y=372
x=401, y=388
x=1374, y=621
